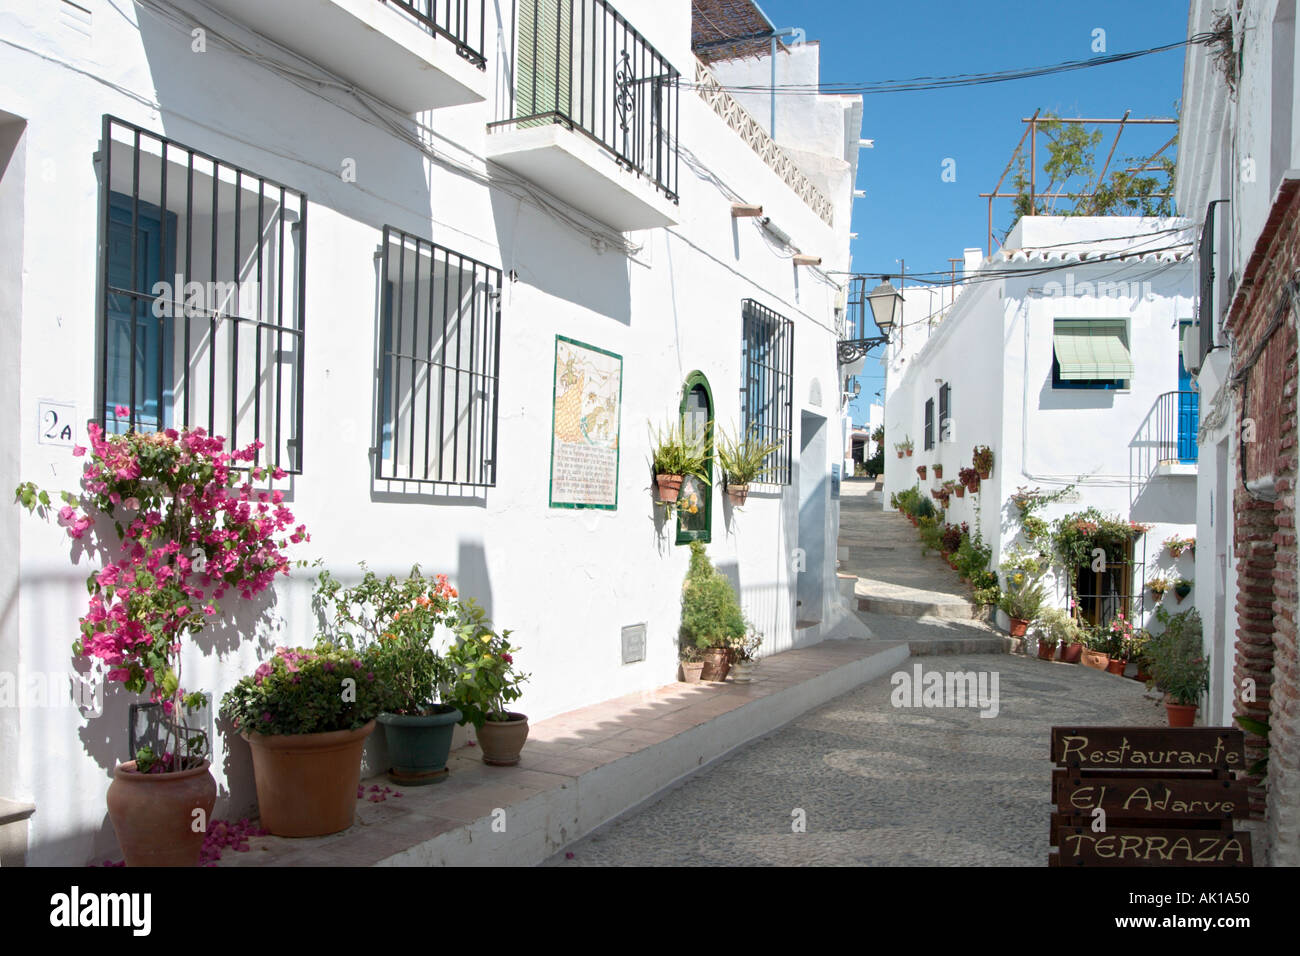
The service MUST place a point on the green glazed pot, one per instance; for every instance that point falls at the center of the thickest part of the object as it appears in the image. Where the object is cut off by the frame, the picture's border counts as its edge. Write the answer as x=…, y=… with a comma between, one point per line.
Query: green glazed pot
x=418, y=744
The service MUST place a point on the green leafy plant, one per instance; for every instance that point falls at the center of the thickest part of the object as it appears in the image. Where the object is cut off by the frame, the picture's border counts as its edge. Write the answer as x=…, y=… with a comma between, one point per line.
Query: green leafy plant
x=1075, y=538
x=1056, y=627
x=1024, y=604
x=1259, y=727
x=482, y=661
x=1176, y=657
x=904, y=446
x=982, y=459
x=678, y=450
x=307, y=691
x=396, y=619
x=711, y=614
x=743, y=460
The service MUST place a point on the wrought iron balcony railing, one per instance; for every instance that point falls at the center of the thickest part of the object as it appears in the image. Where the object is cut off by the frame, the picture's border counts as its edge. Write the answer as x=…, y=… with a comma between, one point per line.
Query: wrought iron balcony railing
x=460, y=21
x=579, y=63
x=1174, y=423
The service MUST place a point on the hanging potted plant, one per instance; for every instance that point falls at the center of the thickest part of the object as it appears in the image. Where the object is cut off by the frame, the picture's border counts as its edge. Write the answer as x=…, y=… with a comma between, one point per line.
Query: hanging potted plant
x=920, y=472
x=959, y=490
x=970, y=479
x=742, y=462
x=983, y=460
x=306, y=714
x=675, y=454
x=938, y=470
x=711, y=617
x=904, y=447
x=1158, y=585
x=1176, y=545
x=180, y=525
x=485, y=682
x=398, y=619
x=1182, y=588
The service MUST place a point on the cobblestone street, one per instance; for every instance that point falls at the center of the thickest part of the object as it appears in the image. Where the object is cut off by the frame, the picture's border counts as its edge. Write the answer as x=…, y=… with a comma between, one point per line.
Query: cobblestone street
x=882, y=786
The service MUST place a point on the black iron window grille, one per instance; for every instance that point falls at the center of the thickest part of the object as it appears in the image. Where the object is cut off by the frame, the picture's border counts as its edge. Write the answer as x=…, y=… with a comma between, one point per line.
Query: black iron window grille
x=439, y=352
x=460, y=21
x=202, y=282
x=767, y=399
x=945, y=412
x=929, y=423
x=580, y=63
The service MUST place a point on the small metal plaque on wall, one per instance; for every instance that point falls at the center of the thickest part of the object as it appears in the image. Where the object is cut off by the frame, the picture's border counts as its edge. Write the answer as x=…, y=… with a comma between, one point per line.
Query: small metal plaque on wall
x=633, y=643
x=835, y=481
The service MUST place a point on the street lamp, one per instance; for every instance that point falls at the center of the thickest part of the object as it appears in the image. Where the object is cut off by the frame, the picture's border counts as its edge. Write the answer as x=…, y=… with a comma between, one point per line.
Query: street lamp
x=885, y=302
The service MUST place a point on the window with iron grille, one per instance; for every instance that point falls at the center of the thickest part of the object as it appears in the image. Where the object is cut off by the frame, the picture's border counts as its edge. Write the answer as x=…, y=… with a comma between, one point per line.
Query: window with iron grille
x=929, y=423
x=945, y=412
x=439, y=349
x=202, y=275
x=767, y=357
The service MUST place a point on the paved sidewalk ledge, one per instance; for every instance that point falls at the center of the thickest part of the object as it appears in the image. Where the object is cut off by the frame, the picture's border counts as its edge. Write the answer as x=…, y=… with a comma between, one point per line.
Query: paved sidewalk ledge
x=579, y=769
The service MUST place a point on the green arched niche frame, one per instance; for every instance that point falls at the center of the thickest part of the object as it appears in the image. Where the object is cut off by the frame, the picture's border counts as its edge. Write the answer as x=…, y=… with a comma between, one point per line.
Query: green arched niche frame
x=697, y=526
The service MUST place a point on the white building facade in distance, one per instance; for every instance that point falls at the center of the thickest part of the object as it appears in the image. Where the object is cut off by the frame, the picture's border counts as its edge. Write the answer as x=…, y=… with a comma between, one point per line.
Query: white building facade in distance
x=449, y=277
x=1062, y=355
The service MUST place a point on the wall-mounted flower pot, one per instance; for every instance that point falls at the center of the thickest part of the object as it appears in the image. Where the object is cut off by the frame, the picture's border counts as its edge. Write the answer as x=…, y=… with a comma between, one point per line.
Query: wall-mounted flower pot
x=738, y=493
x=938, y=471
x=909, y=452
x=920, y=471
x=900, y=454
x=984, y=475
x=960, y=491
x=1181, y=591
x=669, y=486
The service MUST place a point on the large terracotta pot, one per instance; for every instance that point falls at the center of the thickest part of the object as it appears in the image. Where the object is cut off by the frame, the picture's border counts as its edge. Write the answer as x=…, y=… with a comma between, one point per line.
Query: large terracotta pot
x=502, y=740
x=1018, y=627
x=669, y=486
x=1181, y=715
x=418, y=744
x=1117, y=666
x=1097, y=660
x=1046, y=651
x=717, y=661
x=153, y=814
x=307, y=783
x=1070, y=653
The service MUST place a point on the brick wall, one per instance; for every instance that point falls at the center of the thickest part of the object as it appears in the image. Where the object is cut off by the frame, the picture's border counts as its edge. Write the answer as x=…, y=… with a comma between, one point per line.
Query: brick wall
x=1264, y=537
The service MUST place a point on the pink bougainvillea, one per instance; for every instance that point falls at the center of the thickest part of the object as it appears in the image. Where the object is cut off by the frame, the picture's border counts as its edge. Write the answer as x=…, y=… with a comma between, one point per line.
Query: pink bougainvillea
x=182, y=526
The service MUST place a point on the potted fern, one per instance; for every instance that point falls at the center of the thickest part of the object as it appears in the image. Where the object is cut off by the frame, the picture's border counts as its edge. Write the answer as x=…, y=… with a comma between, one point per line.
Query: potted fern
x=674, y=455
x=743, y=460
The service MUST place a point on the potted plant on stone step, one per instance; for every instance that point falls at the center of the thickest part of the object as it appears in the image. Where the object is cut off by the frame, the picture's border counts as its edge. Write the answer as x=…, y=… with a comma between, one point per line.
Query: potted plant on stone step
x=398, y=619
x=179, y=524
x=744, y=656
x=1176, y=658
x=743, y=461
x=675, y=453
x=306, y=714
x=711, y=615
x=1056, y=629
x=982, y=459
x=485, y=682
x=1022, y=606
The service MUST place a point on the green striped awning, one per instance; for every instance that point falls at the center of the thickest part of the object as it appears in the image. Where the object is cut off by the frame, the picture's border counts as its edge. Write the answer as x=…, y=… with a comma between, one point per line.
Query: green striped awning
x=1090, y=349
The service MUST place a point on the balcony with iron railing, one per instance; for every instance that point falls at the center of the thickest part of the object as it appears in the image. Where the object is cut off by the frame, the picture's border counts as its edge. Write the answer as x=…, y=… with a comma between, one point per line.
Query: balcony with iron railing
x=412, y=54
x=592, y=114
x=1166, y=442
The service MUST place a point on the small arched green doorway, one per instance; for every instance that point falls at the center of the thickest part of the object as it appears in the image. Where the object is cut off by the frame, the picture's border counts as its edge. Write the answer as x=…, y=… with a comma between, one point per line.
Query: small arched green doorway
x=695, y=503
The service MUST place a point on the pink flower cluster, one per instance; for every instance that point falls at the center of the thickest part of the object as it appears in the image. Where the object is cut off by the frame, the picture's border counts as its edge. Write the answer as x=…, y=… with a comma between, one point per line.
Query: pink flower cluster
x=188, y=532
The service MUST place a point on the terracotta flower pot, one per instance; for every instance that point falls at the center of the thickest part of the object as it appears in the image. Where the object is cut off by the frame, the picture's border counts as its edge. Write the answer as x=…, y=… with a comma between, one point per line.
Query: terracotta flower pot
x=738, y=493
x=153, y=814
x=920, y=471
x=1018, y=627
x=691, y=671
x=717, y=661
x=1071, y=653
x=938, y=471
x=1116, y=666
x=1181, y=715
x=960, y=491
x=502, y=740
x=1046, y=652
x=669, y=486
x=1097, y=660
x=1142, y=675
x=984, y=475
x=900, y=454
x=307, y=783
x=909, y=452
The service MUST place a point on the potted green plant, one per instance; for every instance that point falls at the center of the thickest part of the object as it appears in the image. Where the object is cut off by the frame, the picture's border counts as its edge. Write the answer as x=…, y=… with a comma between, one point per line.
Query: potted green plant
x=982, y=459
x=969, y=478
x=1178, y=665
x=1094, y=650
x=920, y=472
x=485, y=682
x=1056, y=629
x=398, y=618
x=180, y=525
x=1022, y=606
x=711, y=617
x=938, y=470
x=1176, y=545
x=743, y=461
x=1119, y=635
x=1182, y=588
x=904, y=447
x=1158, y=585
x=306, y=714
x=676, y=453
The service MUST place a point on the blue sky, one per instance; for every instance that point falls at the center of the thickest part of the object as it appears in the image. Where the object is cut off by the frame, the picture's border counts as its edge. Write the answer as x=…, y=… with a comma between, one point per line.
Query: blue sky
x=909, y=211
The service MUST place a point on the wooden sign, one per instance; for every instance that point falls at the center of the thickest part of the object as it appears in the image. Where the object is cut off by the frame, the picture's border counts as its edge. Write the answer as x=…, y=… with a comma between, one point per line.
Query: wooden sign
x=1153, y=847
x=1149, y=748
x=1163, y=798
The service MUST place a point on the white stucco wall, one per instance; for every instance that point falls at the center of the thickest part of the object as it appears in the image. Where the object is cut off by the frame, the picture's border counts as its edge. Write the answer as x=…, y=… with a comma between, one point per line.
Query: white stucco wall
x=564, y=581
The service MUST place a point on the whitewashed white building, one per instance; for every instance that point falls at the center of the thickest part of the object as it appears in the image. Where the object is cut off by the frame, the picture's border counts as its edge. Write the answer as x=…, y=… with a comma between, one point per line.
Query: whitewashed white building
x=374, y=198
x=1061, y=354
